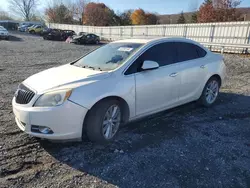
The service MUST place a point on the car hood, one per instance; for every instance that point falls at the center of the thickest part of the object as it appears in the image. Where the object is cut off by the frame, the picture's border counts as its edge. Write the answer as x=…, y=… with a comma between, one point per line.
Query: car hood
x=77, y=36
x=3, y=31
x=63, y=76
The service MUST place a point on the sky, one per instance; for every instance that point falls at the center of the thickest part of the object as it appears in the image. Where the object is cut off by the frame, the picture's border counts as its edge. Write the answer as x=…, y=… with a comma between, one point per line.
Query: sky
x=157, y=6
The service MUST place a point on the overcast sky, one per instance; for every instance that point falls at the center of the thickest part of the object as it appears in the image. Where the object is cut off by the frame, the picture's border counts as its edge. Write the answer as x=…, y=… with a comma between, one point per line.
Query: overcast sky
x=159, y=6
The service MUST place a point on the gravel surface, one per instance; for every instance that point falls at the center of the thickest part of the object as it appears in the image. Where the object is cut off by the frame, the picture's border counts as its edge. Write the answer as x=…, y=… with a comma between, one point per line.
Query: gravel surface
x=189, y=146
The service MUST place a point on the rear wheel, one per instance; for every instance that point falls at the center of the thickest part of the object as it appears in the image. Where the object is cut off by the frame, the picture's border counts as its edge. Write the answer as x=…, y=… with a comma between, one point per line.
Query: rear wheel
x=32, y=32
x=210, y=92
x=103, y=121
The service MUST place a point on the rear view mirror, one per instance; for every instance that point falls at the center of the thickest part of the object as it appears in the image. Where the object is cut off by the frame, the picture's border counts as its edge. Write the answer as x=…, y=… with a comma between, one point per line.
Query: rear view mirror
x=149, y=65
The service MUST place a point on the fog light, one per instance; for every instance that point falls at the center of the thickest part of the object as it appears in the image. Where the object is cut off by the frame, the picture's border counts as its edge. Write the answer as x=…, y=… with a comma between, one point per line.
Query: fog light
x=45, y=130
x=41, y=129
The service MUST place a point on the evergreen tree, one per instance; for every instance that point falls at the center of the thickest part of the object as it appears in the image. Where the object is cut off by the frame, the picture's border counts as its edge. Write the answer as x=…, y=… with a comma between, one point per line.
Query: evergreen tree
x=181, y=19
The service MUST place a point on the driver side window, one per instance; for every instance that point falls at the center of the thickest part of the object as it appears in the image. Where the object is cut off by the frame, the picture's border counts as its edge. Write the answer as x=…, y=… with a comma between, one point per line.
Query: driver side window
x=163, y=54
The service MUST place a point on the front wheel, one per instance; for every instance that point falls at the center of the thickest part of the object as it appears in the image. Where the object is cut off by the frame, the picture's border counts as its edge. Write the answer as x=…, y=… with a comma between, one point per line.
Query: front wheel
x=210, y=92
x=103, y=121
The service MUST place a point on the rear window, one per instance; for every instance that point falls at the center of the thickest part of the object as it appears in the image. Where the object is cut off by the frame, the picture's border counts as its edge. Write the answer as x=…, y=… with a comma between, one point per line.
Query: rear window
x=188, y=51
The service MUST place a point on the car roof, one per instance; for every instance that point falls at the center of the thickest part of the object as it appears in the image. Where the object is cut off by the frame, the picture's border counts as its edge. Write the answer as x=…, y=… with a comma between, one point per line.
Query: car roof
x=143, y=41
x=161, y=39
x=152, y=40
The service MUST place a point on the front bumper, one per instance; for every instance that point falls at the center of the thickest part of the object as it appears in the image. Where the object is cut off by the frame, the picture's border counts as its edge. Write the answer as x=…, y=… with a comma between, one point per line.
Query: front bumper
x=74, y=41
x=65, y=121
x=4, y=36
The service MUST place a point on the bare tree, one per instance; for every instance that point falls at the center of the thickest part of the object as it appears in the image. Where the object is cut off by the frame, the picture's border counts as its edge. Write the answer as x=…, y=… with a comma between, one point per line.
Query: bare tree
x=78, y=7
x=23, y=8
x=5, y=15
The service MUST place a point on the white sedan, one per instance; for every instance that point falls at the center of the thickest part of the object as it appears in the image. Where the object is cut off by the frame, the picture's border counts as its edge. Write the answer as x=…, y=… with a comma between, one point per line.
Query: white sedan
x=4, y=34
x=115, y=84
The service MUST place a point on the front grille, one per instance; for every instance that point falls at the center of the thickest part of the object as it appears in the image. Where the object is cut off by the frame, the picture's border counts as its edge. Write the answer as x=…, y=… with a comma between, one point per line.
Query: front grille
x=24, y=95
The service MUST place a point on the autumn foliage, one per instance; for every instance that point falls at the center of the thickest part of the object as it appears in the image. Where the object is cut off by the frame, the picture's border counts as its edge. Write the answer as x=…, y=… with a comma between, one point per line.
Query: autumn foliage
x=206, y=12
x=139, y=17
x=97, y=14
x=218, y=11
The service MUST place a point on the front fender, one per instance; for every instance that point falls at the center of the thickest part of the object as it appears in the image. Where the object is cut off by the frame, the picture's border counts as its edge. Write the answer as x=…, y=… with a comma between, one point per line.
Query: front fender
x=88, y=95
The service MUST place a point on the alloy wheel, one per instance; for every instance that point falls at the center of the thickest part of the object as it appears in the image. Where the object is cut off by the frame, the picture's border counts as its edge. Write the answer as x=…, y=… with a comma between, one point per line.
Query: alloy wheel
x=111, y=121
x=212, y=91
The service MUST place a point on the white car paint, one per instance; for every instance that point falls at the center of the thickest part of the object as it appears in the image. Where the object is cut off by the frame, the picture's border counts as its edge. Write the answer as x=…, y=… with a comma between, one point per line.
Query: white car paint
x=63, y=75
x=4, y=33
x=144, y=92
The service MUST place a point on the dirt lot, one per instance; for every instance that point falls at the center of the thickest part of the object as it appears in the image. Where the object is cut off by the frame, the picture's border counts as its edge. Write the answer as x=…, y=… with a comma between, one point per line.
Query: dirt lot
x=189, y=146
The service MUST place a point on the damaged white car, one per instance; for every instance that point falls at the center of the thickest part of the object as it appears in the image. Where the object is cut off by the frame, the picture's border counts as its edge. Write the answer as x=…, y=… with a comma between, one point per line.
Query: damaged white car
x=115, y=84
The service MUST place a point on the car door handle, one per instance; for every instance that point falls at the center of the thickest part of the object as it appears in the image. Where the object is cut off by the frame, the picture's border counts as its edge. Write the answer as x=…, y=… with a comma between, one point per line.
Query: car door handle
x=173, y=74
x=202, y=66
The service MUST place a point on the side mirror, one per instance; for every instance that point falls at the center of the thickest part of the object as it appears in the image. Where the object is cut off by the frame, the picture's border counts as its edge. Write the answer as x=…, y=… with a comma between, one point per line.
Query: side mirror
x=149, y=65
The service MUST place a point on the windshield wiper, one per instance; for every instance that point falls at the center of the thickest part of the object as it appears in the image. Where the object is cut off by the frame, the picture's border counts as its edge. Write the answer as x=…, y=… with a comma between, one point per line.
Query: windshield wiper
x=86, y=66
x=89, y=67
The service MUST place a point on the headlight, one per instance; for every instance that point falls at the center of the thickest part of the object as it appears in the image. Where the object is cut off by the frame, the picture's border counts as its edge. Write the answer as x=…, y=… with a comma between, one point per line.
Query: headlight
x=54, y=98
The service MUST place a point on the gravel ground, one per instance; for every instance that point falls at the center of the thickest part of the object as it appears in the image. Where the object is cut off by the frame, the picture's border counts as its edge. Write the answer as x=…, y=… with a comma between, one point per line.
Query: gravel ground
x=188, y=146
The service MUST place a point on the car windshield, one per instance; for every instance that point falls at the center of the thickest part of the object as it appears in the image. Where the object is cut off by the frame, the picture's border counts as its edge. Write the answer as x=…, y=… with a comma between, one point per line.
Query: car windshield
x=2, y=28
x=108, y=57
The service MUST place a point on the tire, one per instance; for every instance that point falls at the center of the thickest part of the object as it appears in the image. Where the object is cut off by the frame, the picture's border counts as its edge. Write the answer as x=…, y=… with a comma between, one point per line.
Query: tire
x=7, y=38
x=213, y=83
x=32, y=32
x=95, y=122
x=97, y=42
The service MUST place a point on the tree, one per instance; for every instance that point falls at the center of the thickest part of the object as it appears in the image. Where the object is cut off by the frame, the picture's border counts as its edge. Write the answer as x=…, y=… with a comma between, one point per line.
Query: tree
x=194, y=17
x=4, y=15
x=25, y=8
x=98, y=14
x=116, y=19
x=59, y=14
x=218, y=11
x=36, y=18
x=151, y=19
x=125, y=17
x=181, y=19
x=78, y=9
x=206, y=12
x=138, y=17
x=225, y=10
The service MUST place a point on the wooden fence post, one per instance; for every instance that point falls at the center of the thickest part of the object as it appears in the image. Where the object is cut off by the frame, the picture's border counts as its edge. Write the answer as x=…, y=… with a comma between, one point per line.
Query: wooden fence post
x=146, y=31
x=164, y=31
x=247, y=40
x=120, y=32
x=185, y=32
x=211, y=35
